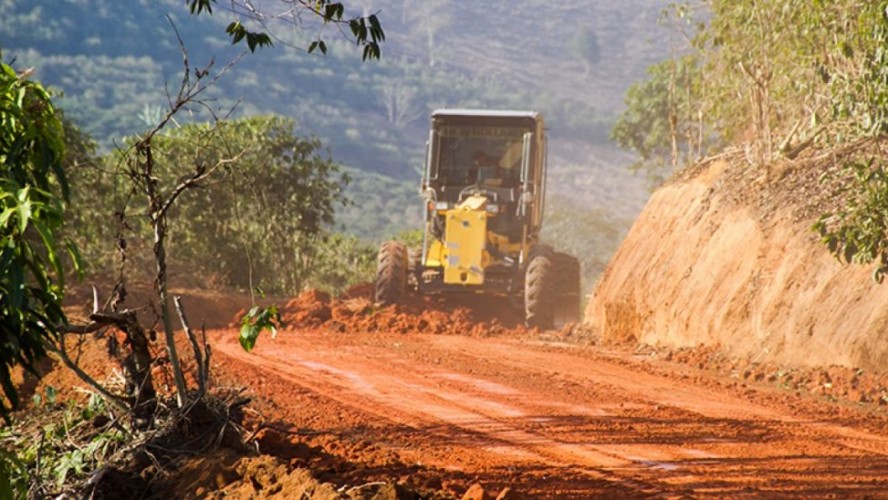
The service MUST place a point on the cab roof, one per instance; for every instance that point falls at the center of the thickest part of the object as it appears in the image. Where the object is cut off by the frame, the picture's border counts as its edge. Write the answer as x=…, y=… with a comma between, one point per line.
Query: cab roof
x=491, y=113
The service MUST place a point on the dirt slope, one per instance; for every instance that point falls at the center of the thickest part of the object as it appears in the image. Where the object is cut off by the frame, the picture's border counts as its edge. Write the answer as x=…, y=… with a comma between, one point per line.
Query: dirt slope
x=710, y=262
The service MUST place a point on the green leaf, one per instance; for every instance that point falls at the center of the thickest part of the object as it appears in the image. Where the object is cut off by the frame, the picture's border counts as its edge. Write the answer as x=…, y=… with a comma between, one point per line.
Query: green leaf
x=258, y=40
x=237, y=32
x=76, y=258
x=4, y=217
x=376, y=29
x=333, y=11
x=24, y=208
x=256, y=320
x=371, y=51
x=51, y=394
x=355, y=27
x=248, y=335
x=46, y=236
x=198, y=6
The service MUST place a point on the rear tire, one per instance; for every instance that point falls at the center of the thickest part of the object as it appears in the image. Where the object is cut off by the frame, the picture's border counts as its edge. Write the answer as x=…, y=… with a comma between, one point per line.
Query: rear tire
x=391, y=273
x=540, y=288
x=567, y=307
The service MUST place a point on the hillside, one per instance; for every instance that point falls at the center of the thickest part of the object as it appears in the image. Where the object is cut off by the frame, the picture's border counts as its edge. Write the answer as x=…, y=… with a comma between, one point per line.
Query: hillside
x=718, y=260
x=113, y=63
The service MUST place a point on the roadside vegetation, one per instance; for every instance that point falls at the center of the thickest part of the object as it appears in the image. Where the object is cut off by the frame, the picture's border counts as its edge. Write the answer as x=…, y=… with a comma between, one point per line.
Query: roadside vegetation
x=775, y=82
x=264, y=220
x=224, y=195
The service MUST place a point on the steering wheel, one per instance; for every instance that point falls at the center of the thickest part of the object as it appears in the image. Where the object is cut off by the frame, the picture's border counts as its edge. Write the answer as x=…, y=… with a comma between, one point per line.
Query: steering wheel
x=476, y=189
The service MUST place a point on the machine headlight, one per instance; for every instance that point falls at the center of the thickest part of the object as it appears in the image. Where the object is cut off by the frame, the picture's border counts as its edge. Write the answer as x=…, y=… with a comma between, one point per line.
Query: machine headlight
x=442, y=205
x=492, y=208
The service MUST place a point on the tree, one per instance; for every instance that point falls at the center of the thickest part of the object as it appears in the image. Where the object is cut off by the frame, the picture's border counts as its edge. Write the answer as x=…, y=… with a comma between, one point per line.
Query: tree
x=775, y=79
x=662, y=122
x=261, y=221
x=33, y=189
x=858, y=80
x=164, y=165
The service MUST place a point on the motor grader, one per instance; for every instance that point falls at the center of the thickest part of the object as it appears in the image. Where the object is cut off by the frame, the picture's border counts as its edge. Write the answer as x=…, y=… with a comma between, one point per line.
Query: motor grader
x=483, y=192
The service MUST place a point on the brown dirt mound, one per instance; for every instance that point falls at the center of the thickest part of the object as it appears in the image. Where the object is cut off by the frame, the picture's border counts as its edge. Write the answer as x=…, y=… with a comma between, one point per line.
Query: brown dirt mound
x=228, y=474
x=355, y=311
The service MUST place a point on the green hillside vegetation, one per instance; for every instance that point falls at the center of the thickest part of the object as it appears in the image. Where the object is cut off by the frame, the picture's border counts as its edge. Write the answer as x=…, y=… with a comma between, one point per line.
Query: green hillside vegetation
x=112, y=64
x=112, y=61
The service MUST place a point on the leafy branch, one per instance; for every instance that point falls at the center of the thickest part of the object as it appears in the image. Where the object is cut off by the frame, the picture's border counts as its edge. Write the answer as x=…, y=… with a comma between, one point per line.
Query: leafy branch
x=365, y=31
x=255, y=321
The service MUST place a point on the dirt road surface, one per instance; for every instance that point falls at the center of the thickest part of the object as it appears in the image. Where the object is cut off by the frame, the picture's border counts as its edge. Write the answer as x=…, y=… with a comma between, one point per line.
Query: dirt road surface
x=546, y=419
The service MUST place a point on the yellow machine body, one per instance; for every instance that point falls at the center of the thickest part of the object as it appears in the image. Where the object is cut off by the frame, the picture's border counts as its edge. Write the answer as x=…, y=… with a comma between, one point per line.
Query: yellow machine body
x=483, y=188
x=464, y=255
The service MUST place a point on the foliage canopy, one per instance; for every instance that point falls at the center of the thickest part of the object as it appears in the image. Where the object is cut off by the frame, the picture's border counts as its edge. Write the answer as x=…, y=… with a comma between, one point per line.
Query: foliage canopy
x=265, y=220
x=773, y=79
x=33, y=188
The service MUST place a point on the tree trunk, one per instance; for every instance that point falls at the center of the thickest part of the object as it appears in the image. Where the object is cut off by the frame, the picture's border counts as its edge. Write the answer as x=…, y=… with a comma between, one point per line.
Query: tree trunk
x=140, y=386
x=160, y=285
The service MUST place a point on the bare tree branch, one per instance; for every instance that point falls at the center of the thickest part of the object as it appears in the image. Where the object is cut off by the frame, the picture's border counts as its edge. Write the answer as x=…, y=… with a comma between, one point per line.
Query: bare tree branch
x=115, y=400
x=198, y=355
x=194, y=180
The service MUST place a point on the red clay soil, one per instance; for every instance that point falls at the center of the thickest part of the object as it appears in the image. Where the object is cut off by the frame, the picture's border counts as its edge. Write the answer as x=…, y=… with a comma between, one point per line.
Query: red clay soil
x=545, y=419
x=458, y=400
x=364, y=394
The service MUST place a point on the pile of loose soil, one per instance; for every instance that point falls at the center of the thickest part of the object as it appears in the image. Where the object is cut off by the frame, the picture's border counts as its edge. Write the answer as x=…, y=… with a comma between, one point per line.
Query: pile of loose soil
x=354, y=311
x=226, y=473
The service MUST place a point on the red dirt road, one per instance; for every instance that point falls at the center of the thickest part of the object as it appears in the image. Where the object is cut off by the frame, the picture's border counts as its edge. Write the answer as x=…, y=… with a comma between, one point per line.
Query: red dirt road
x=545, y=419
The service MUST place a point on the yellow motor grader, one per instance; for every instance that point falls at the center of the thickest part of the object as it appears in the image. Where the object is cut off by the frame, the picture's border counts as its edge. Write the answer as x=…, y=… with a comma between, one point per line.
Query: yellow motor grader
x=483, y=190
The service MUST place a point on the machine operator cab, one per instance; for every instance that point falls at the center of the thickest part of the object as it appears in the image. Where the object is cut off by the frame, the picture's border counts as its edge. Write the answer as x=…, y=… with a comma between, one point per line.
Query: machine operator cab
x=492, y=162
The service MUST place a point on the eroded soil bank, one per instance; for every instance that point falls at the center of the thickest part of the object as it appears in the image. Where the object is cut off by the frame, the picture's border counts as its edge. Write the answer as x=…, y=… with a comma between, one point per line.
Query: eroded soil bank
x=726, y=257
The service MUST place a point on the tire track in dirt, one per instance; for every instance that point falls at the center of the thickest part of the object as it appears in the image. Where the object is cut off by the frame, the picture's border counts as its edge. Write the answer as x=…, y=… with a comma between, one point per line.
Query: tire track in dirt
x=637, y=384
x=500, y=403
x=790, y=443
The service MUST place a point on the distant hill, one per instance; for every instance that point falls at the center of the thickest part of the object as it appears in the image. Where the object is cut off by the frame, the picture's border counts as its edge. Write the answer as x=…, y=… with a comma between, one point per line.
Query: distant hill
x=572, y=60
x=113, y=60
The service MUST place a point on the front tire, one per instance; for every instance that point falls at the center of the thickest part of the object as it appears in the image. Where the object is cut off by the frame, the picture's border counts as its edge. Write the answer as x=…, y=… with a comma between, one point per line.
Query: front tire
x=391, y=273
x=539, y=288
